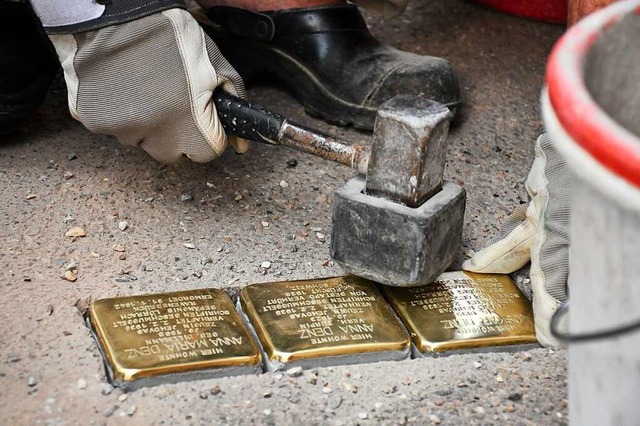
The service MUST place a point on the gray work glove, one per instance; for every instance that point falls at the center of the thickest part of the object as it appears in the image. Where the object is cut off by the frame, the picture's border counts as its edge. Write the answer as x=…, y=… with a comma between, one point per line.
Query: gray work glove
x=143, y=75
x=539, y=232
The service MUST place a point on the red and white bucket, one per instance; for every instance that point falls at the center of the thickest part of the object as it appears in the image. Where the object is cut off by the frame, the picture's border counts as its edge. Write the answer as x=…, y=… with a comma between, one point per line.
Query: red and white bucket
x=591, y=108
x=542, y=10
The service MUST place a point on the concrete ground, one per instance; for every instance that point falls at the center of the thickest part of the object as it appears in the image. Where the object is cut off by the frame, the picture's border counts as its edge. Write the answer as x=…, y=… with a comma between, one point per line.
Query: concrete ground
x=55, y=175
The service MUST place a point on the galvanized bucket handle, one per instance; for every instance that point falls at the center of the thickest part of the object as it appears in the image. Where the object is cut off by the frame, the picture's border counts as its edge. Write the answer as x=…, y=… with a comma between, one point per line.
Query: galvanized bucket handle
x=560, y=315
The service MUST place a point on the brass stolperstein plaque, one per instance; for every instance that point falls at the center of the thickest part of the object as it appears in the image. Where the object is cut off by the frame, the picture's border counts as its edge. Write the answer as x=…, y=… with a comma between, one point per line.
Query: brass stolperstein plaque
x=334, y=321
x=464, y=310
x=182, y=335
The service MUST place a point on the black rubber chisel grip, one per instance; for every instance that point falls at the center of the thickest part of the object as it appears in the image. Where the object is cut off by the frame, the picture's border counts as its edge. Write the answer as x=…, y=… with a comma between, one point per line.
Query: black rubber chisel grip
x=246, y=120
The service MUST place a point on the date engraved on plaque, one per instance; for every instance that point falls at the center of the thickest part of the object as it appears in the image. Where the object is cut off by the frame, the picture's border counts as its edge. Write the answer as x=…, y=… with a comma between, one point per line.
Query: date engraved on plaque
x=463, y=310
x=171, y=333
x=323, y=318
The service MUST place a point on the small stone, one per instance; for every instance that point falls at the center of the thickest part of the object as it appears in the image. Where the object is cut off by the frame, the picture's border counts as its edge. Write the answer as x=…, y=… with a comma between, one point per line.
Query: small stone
x=190, y=246
x=439, y=402
x=210, y=185
x=265, y=224
x=72, y=156
x=70, y=276
x=510, y=408
x=444, y=392
x=215, y=390
x=126, y=278
x=480, y=412
x=267, y=394
x=515, y=397
x=320, y=236
x=94, y=254
x=123, y=225
x=50, y=310
x=434, y=419
x=327, y=389
x=75, y=232
x=334, y=402
x=296, y=371
x=294, y=398
x=292, y=163
x=499, y=379
x=219, y=249
x=68, y=175
x=82, y=384
x=119, y=248
x=30, y=196
x=123, y=397
x=107, y=412
x=238, y=197
x=122, y=256
x=186, y=198
x=416, y=396
x=131, y=410
x=363, y=416
x=350, y=388
x=477, y=364
x=390, y=389
x=32, y=381
x=284, y=184
x=106, y=389
x=267, y=412
x=266, y=265
x=526, y=356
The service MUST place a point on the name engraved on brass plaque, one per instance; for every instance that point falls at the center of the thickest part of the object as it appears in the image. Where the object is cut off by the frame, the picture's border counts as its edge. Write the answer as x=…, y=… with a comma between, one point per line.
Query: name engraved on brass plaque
x=464, y=310
x=172, y=333
x=341, y=317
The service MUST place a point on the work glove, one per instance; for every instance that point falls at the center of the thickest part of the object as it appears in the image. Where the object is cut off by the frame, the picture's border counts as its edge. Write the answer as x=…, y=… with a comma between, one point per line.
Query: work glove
x=142, y=71
x=537, y=232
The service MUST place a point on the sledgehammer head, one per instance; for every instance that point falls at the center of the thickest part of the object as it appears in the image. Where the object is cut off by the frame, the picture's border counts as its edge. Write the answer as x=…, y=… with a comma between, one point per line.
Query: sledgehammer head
x=409, y=150
x=404, y=226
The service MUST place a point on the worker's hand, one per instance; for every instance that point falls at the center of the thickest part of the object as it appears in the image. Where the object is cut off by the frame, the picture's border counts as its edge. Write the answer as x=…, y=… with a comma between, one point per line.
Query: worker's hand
x=538, y=231
x=149, y=82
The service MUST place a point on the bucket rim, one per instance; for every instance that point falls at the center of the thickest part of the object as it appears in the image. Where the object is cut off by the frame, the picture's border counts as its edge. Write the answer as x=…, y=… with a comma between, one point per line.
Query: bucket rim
x=612, y=145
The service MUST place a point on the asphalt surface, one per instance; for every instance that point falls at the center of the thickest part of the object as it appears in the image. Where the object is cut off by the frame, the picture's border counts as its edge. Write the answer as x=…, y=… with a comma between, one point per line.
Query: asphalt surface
x=56, y=175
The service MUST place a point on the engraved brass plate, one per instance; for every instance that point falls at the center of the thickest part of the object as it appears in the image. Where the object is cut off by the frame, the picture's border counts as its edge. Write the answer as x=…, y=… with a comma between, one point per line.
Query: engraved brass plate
x=170, y=333
x=299, y=320
x=464, y=310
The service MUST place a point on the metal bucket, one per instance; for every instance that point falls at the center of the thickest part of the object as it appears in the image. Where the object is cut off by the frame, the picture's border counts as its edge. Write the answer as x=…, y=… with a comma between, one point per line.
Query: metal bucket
x=591, y=108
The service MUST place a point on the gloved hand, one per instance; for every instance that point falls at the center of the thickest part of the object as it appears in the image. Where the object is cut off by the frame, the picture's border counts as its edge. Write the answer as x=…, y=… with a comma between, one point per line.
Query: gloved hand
x=538, y=232
x=143, y=75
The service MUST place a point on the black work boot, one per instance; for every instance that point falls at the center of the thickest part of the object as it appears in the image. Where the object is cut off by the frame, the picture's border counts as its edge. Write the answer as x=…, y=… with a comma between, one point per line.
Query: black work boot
x=329, y=60
x=27, y=64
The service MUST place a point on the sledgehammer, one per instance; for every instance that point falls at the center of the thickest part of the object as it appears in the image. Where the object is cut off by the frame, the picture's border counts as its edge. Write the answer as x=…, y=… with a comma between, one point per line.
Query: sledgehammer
x=402, y=225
